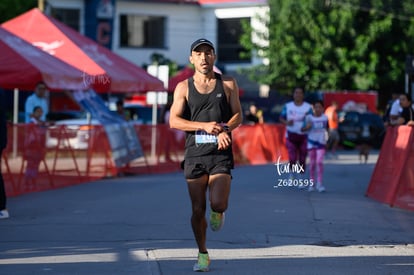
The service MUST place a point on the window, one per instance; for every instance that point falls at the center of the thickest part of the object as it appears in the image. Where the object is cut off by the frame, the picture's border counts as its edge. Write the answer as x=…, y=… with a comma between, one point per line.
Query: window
x=70, y=17
x=142, y=31
x=229, y=48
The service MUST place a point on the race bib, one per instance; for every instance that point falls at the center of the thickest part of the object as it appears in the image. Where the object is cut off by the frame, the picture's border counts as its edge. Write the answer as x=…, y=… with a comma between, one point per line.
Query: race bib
x=202, y=137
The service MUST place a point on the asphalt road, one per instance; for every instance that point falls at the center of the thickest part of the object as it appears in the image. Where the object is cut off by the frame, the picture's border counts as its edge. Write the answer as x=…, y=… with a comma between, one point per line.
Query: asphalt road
x=141, y=225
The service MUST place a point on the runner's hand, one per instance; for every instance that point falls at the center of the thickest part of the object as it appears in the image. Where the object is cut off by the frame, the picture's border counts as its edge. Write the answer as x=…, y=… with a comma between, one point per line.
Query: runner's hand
x=212, y=128
x=223, y=141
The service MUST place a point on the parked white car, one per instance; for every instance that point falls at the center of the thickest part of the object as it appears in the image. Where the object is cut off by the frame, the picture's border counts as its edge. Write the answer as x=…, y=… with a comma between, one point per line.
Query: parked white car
x=71, y=133
x=75, y=132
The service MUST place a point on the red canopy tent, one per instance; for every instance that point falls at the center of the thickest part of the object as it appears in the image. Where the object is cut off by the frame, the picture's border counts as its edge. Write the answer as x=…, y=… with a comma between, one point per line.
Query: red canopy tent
x=178, y=77
x=186, y=73
x=108, y=71
x=182, y=75
x=22, y=66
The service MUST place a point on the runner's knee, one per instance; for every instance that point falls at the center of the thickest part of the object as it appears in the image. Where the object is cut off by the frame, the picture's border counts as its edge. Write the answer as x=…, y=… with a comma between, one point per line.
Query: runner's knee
x=219, y=207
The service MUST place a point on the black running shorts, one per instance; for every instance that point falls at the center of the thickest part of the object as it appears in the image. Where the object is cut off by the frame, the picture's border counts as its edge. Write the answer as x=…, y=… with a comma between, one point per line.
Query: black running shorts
x=196, y=167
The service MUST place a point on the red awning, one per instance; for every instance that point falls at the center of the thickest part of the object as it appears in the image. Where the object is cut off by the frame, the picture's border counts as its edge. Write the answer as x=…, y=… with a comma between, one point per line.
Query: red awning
x=106, y=68
x=22, y=66
x=182, y=75
x=178, y=77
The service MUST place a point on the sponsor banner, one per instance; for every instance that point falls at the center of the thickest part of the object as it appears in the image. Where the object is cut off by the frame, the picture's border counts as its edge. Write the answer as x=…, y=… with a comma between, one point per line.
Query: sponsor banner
x=123, y=140
x=99, y=17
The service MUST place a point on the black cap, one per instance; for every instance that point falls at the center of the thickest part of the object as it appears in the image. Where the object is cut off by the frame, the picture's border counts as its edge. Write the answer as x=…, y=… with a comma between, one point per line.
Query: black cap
x=201, y=41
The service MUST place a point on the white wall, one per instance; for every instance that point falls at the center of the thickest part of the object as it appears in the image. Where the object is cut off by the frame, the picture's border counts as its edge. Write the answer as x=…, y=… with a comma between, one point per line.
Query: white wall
x=236, y=12
x=184, y=25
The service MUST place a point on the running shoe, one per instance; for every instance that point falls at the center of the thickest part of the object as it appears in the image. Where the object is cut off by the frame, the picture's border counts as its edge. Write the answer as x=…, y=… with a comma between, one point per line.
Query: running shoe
x=216, y=220
x=4, y=214
x=202, y=263
x=320, y=188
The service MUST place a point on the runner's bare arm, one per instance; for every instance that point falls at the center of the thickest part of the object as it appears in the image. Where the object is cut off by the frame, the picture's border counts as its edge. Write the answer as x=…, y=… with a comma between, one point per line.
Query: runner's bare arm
x=232, y=92
x=232, y=89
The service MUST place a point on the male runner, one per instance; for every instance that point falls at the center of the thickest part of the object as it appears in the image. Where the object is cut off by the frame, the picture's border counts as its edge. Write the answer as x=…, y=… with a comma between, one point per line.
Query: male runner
x=207, y=107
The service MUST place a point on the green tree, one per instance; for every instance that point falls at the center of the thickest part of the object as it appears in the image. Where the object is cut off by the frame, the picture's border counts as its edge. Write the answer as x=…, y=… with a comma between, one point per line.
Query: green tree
x=12, y=8
x=333, y=45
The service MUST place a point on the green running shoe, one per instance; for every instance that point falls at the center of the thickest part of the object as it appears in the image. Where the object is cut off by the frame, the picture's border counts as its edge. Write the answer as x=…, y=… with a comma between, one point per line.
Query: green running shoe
x=216, y=220
x=202, y=263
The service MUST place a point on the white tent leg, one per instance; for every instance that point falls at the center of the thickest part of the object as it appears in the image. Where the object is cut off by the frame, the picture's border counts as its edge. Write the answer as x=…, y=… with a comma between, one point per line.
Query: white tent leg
x=15, y=120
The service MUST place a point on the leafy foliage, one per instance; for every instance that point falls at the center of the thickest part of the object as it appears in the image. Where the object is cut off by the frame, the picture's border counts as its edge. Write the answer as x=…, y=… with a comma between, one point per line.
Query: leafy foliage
x=12, y=8
x=333, y=45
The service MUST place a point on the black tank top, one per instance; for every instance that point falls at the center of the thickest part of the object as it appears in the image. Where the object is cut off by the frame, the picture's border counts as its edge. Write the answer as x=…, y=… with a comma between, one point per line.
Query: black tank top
x=205, y=108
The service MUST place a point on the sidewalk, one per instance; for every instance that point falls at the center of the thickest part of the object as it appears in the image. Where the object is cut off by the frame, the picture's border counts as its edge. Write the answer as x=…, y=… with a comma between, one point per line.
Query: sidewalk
x=141, y=225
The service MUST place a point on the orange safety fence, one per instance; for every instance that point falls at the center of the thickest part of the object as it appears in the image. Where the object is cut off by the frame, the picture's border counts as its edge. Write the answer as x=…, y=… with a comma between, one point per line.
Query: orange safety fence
x=259, y=144
x=392, y=181
x=42, y=158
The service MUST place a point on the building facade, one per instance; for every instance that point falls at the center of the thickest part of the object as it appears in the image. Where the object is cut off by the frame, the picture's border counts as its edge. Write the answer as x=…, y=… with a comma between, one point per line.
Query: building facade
x=136, y=29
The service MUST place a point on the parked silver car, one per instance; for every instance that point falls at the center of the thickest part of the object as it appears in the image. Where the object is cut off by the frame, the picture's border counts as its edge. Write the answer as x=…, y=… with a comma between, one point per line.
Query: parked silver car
x=72, y=133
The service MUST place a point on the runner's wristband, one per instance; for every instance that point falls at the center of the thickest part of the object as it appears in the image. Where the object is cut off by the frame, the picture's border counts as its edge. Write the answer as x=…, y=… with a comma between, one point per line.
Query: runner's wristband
x=226, y=128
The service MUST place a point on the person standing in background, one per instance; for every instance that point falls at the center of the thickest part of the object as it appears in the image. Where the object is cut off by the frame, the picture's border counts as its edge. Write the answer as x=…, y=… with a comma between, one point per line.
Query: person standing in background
x=34, y=152
x=386, y=118
x=293, y=116
x=395, y=111
x=4, y=213
x=254, y=116
x=38, y=98
x=406, y=115
x=121, y=110
x=333, y=122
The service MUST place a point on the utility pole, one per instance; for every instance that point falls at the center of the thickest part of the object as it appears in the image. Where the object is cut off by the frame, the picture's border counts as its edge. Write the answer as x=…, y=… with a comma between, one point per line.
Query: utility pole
x=41, y=5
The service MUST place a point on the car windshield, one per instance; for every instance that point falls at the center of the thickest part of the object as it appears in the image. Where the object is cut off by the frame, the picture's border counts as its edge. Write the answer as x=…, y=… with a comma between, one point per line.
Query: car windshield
x=64, y=115
x=143, y=114
x=372, y=119
x=351, y=117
